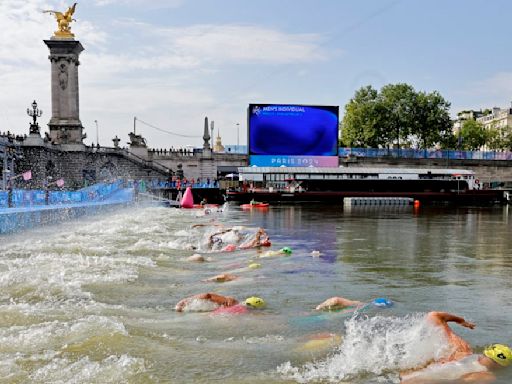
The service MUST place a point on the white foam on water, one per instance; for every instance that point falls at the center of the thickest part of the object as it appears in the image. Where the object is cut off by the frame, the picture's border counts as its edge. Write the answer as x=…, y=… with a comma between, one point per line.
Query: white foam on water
x=374, y=347
x=23, y=313
x=49, y=276
x=113, y=369
x=55, y=335
x=200, y=305
x=267, y=339
x=48, y=301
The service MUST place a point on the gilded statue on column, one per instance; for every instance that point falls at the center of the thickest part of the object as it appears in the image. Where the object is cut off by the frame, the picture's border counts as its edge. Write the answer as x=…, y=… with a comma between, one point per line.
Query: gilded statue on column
x=64, y=20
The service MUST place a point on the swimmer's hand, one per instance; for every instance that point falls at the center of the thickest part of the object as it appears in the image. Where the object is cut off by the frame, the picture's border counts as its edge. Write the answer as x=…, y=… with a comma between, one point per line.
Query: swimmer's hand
x=468, y=324
x=441, y=318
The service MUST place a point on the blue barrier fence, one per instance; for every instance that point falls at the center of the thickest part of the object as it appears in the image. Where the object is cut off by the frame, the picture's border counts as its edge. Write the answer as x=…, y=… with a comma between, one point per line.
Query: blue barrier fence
x=17, y=219
x=27, y=198
x=4, y=199
x=406, y=153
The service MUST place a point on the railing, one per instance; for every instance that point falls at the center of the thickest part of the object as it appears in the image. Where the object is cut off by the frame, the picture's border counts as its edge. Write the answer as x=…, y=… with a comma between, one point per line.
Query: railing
x=406, y=153
x=158, y=184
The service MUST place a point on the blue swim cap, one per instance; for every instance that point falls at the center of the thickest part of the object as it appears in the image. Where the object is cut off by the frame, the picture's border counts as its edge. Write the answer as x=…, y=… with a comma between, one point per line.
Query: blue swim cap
x=382, y=302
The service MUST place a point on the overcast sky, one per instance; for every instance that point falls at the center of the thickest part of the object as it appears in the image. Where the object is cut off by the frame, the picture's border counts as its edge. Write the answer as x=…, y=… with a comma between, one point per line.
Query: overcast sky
x=173, y=62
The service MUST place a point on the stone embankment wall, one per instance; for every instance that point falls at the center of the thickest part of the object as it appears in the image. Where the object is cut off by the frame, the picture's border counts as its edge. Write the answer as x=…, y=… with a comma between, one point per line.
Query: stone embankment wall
x=75, y=167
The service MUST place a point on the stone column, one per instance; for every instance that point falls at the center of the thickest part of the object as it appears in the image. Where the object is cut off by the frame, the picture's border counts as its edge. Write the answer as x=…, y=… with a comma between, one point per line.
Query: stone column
x=207, y=150
x=65, y=125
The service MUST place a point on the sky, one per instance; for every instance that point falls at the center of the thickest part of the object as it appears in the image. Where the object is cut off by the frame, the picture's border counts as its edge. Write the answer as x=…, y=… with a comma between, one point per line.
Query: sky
x=170, y=63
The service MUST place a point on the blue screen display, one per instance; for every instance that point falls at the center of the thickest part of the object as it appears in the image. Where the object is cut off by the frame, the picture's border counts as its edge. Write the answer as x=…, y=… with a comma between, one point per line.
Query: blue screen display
x=282, y=129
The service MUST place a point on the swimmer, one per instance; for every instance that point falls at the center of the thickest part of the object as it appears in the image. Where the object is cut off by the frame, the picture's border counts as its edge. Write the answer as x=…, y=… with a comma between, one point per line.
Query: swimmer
x=212, y=302
x=285, y=251
x=461, y=365
x=261, y=239
x=238, y=309
x=216, y=237
x=222, y=278
x=196, y=258
x=202, y=302
x=337, y=303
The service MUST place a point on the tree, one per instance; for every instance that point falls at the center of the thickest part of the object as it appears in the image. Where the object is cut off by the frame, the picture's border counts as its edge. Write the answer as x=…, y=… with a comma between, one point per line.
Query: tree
x=398, y=101
x=499, y=138
x=433, y=123
x=396, y=114
x=473, y=135
x=361, y=125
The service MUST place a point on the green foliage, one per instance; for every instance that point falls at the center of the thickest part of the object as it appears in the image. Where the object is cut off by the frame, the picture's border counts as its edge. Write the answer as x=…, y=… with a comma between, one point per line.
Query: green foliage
x=361, y=121
x=396, y=114
x=473, y=135
x=499, y=138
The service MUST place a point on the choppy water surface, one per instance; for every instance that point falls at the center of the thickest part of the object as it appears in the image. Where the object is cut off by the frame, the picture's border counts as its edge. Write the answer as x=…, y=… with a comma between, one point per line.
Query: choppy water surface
x=92, y=301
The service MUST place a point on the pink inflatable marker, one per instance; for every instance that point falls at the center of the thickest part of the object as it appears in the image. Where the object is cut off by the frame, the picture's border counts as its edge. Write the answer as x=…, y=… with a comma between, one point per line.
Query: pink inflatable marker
x=188, y=200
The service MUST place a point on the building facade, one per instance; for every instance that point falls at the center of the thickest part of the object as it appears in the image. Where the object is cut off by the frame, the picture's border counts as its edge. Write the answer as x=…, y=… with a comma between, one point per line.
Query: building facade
x=498, y=118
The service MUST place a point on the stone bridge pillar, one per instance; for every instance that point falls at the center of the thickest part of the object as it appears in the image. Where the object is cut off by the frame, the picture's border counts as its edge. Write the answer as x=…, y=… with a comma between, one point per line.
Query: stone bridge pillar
x=65, y=125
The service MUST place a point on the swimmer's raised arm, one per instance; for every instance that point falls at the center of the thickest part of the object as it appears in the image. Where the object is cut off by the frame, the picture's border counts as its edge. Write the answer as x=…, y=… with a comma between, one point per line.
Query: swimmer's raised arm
x=442, y=318
x=336, y=302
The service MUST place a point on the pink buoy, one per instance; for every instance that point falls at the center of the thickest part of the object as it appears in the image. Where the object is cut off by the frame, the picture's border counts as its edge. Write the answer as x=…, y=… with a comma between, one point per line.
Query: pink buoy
x=188, y=200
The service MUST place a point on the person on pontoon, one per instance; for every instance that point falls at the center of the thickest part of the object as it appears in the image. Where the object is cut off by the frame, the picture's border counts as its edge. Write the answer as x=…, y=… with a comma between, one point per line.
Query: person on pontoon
x=461, y=365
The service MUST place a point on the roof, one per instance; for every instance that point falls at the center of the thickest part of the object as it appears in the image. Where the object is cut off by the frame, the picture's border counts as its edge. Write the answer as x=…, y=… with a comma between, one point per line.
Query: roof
x=353, y=170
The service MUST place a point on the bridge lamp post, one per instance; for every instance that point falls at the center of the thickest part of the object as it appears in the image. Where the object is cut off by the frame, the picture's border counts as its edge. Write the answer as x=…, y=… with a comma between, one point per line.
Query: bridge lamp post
x=34, y=114
x=97, y=136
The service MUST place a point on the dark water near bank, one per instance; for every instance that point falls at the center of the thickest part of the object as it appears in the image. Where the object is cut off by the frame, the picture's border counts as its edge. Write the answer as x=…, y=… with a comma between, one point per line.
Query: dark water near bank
x=92, y=301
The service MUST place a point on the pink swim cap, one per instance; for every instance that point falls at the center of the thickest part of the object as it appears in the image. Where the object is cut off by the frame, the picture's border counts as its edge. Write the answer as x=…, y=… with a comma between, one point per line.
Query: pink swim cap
x=229, y=248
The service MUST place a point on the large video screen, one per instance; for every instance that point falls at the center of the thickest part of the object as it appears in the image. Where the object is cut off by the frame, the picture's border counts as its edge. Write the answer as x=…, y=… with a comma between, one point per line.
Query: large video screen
x=293, y=135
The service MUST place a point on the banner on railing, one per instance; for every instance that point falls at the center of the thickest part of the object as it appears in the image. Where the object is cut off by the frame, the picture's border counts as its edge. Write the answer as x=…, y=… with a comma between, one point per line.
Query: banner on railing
x=408, y=153
x=27, y=198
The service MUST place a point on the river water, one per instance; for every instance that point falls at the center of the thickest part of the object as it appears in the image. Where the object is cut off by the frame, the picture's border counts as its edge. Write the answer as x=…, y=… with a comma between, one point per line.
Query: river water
x=92, y=301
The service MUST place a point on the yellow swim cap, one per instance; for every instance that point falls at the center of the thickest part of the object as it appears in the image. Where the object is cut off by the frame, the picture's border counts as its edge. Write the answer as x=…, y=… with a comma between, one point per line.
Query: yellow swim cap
x=499, y=353
x=254, y=265
x=255, y=302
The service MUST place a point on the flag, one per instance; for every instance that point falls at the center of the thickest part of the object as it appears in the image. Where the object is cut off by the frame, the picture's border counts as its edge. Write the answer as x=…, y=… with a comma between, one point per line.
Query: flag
x=27, y=175
x=60, y=183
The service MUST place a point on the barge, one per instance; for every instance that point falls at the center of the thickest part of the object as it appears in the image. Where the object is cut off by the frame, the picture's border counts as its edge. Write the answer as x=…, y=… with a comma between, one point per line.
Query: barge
x=332, y=185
